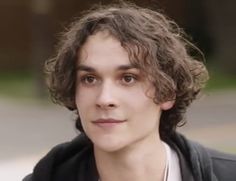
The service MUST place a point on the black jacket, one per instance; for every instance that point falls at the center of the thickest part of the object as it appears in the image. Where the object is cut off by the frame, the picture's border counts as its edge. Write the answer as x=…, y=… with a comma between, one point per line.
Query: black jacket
x=74, y=161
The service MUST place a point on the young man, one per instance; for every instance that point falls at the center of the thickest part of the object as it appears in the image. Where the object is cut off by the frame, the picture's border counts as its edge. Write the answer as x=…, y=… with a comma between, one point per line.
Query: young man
x=127, y=72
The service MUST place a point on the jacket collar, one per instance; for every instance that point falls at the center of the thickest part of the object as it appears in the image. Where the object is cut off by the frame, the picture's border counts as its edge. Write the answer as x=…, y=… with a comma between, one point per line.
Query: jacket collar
x=195, y=162
x=61, y=162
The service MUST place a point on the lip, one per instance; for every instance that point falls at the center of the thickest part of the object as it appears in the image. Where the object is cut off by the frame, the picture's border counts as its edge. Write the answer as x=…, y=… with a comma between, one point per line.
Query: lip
x=107, y=122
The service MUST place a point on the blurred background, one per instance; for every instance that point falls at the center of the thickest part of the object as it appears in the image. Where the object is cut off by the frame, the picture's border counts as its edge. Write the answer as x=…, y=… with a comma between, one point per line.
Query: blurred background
x=30, y=124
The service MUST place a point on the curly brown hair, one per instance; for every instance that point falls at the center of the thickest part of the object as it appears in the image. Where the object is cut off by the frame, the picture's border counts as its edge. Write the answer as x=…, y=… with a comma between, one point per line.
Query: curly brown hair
x=154, y=43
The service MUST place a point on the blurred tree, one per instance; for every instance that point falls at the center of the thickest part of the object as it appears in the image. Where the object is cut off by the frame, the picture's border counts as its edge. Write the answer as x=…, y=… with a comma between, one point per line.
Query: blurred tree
x=197, y=25
x=41, y=43
x=14, y=31
x=222, y=16
x=29, y=28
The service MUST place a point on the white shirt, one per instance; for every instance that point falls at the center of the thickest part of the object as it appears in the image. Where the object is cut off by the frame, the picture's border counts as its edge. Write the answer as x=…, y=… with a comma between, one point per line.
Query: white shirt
x=172, y=171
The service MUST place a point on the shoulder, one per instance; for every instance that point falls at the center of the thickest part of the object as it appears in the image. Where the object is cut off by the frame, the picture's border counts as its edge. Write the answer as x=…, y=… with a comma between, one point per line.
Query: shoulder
x=224, y=164
x=63, y=160
x=218, y=156
x=221, y=164
x=204, y=163
x=28, y=178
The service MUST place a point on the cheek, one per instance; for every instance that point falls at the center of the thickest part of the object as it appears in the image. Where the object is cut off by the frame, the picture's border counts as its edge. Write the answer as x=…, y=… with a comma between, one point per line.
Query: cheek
x=78, y=97
x=82, y=99
x=83, y=102
x=142, y=105
x=138, y=99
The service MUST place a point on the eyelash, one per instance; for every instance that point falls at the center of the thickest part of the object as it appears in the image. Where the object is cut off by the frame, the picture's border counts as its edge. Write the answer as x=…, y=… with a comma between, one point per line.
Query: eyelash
x=84, y=79
x=133, y=76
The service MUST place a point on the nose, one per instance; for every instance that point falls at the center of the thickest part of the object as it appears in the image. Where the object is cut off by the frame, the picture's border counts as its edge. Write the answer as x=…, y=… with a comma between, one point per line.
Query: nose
x=106, y=96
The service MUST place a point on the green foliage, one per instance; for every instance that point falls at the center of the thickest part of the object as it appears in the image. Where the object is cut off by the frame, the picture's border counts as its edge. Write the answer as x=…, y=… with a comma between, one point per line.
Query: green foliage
x=17, y=85
x=219, y=80
x=227, y=149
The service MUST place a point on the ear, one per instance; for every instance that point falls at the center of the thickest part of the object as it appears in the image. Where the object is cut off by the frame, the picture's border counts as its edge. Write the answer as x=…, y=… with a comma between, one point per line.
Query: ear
x=167, y=105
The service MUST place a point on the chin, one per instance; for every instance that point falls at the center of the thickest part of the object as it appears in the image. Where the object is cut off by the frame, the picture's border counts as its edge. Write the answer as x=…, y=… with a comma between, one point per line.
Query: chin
x=108, y=149
x=108, y=145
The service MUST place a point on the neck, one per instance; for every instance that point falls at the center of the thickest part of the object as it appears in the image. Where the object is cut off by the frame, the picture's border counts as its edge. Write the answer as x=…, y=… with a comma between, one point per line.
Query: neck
x=139, y=162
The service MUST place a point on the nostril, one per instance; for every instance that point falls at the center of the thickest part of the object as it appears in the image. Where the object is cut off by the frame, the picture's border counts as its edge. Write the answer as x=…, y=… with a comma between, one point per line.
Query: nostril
x=111, y=105
x=106, y=106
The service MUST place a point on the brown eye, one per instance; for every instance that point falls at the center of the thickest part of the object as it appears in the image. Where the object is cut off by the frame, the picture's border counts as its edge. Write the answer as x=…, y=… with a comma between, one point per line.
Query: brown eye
x=129, y=79
x=88, y=79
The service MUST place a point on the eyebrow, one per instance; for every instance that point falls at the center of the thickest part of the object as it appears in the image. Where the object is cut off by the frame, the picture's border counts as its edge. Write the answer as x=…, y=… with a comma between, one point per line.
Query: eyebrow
x=86, y=68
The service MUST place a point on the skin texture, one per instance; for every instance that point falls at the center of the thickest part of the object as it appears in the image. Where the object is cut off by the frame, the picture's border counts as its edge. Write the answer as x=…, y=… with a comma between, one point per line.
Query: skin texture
x=114, y=101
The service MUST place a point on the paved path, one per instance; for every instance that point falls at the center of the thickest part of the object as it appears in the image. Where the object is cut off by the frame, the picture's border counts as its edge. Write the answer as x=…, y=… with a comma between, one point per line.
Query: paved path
x=29, y=129
x=212, y=121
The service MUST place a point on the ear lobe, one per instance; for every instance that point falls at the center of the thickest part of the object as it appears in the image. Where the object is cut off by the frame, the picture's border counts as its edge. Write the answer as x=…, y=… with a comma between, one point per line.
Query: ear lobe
x=167, y=105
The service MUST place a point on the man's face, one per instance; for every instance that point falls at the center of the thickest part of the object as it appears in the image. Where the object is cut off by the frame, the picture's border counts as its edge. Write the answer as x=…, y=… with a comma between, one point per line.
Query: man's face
x=113, y=98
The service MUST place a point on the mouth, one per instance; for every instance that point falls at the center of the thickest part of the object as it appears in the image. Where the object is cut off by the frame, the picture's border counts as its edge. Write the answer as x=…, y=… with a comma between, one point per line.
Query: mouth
x=108, y=122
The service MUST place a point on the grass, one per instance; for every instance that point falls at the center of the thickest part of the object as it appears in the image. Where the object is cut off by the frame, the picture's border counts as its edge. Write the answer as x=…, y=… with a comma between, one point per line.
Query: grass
x=227, y=149
x=220, y=81
x=18, y=85
x=231, y=150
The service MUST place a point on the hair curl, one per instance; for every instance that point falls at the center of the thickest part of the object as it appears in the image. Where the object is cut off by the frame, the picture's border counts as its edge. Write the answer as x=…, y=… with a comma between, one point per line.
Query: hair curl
x=154, y=43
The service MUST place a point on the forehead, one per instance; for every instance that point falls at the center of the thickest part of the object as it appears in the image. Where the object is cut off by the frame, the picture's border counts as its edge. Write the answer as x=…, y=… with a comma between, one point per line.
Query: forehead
x=102, y=48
